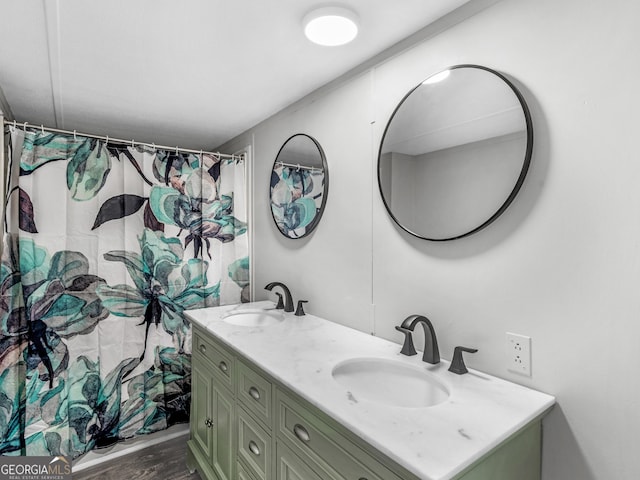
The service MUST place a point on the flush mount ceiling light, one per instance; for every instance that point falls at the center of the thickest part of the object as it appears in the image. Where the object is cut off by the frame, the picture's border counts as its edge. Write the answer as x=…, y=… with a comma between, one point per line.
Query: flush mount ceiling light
x=438, y=77
x=331, y=26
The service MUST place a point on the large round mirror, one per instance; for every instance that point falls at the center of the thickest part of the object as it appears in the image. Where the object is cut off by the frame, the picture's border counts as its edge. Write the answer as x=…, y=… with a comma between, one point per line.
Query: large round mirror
x=455, y=153
x=299, y=185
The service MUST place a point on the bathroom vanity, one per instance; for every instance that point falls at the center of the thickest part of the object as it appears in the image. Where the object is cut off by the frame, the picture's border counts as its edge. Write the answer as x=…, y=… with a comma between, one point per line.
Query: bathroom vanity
x=276, y=396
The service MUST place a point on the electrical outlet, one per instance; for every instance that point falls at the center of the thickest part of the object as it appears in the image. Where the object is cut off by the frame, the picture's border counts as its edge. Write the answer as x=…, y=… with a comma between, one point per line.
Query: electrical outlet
x=518, y=348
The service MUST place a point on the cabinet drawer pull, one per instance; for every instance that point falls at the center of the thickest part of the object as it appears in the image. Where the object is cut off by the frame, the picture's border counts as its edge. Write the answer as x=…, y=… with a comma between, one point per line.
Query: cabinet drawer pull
x=223, y=366
x=301, y=433
x=255, y=394
x=203, y=348
x=208, y=423
x=254, y=448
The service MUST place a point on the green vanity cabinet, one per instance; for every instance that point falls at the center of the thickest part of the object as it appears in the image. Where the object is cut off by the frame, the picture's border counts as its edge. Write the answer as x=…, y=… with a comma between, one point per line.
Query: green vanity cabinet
x=243, y=474
x=518, y=458
x=246, y=425
x=290, y=467
x=213, y=425
x=255, y=393
x=273, y=433
x=201, y=411
x=315, y=437
x=254, y=446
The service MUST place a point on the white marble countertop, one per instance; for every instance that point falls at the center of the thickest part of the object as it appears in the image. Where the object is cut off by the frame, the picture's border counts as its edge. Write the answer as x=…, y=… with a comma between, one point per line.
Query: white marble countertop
x=434, y=443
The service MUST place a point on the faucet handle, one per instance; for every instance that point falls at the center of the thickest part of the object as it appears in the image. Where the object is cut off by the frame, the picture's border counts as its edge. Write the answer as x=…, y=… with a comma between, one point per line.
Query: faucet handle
x=407, y=347
x=457, y=364
x=300, y=310
x=280, y=304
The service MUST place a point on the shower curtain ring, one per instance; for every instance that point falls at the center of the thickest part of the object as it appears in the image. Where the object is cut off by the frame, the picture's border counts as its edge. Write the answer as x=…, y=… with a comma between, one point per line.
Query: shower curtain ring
x=74, y=135
x=106, y=142
x=25, y=127
x=42, y=128
x=176, y=150
x=154, y=146
x=133, y=144
x=15, y=124
x=298, y=168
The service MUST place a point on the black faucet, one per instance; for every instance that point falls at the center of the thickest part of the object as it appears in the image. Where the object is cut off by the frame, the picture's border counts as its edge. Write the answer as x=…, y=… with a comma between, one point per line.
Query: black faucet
x=431, y=353
x=300, y=309
x=457, y=364
x=288, y=299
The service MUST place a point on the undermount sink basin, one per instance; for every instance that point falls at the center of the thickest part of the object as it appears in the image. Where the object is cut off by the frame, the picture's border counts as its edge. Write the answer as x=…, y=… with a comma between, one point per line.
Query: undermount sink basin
x=389, y=382
x=254, y=318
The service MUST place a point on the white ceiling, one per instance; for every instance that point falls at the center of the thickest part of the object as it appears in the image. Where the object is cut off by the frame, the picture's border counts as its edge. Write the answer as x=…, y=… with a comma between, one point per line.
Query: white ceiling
x=471, y=105
x=192, y=73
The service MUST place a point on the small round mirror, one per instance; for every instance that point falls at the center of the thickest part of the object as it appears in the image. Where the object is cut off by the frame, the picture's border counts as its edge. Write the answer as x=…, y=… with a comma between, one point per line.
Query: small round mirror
x=299, y=185
x=455, y=153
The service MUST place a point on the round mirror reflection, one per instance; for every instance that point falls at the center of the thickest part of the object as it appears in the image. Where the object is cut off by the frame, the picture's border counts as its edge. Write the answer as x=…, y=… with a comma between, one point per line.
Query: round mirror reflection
x=455, y=153
x=299, y=185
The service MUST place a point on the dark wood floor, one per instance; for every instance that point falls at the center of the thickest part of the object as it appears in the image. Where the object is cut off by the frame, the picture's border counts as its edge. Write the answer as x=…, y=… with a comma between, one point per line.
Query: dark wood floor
x=165, y=461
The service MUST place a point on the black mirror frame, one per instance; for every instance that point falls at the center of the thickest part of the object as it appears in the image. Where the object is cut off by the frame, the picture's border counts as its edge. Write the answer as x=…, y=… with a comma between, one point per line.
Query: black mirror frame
x=519, y=181
x=319, y=212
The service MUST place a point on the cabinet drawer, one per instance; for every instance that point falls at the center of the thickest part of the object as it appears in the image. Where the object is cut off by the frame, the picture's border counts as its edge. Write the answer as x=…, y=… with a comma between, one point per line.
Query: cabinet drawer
x=222, y=361
x=312, y=437
x=290, y=467
x=254, y=446
x=242, y=473
x=254, y=392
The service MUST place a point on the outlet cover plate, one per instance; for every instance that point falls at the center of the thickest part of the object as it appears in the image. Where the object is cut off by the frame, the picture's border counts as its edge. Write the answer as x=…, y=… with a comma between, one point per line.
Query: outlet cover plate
x=518, y=353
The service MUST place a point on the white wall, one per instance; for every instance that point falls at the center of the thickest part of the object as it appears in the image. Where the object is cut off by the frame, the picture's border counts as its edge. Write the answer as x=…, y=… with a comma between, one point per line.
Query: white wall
x=332, y=267
x=463, y=186
x=561, y=265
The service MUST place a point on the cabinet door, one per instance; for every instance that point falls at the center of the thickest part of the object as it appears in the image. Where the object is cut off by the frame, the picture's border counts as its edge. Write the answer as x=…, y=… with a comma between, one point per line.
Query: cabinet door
x=212, y=418
x=201, y=410
x=223, y=456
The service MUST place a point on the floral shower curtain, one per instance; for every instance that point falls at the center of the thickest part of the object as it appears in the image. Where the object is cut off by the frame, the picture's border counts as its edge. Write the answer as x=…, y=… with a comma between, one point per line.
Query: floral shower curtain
x=106, y=246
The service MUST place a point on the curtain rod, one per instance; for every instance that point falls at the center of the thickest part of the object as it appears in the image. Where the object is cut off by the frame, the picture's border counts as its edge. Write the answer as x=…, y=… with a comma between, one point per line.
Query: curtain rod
x=108, y=139
x=299, y=167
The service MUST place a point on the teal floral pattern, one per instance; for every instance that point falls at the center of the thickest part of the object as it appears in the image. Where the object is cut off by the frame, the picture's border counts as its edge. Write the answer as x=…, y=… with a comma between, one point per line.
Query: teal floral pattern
x=164, y=286
x=296, y=199
x=45, y=300
x=94, y=282
x=239, y=273
x=88, y=161
x=190, y=200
